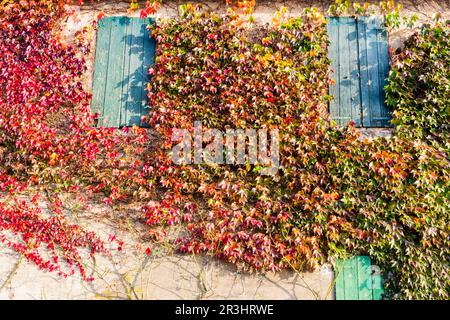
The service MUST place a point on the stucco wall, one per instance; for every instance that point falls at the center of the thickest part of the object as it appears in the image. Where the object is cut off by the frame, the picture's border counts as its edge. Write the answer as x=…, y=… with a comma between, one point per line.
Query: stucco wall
x=159, y=277
x=131, y=274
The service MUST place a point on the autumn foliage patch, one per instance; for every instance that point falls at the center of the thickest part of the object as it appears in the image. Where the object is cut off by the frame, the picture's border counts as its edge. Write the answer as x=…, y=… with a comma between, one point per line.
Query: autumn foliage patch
x=419, y=86
x=47, y=141
x=335, y=194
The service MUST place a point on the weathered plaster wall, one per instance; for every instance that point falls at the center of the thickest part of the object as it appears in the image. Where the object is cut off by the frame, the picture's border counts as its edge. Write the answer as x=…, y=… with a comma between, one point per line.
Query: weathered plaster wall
x=163, y=277
x=131, y=274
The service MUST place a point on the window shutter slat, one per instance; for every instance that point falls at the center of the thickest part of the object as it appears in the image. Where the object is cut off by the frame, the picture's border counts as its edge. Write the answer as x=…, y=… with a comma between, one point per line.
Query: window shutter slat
x=101, y=68
x=373, y=69
x=333, y=52
x=359, y=59
x=343, y=54
x=383, y=56
x=364, y=278
x=120, y=77
x=355, y=90
x=351, y=279
x=355, y=279
x=114, y=82
x=364, y=73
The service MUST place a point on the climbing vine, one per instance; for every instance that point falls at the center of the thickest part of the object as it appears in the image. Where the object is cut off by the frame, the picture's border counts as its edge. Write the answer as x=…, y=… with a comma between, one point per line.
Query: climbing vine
x=419, y=86
x=390, y=10
x=47, y=142
x=334, y=195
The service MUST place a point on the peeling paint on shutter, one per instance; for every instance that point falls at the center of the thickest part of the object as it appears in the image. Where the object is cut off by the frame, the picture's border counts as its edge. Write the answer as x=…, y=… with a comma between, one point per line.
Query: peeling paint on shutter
x=124, y=52
x=360, y=63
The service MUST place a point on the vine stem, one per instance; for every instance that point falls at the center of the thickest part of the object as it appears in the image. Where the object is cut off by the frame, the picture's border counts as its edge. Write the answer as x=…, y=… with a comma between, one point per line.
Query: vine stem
x=12, y=273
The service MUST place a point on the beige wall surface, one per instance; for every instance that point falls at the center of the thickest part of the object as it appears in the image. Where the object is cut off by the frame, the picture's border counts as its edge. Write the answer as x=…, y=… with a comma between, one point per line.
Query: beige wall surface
x=132, y=274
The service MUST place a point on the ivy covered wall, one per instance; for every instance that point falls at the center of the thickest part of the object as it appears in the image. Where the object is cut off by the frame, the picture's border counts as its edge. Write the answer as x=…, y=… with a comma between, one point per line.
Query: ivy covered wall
x=334, y=195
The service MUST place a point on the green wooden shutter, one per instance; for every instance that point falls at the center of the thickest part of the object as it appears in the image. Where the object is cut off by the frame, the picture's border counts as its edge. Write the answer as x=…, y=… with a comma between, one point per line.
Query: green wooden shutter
x=360, y=62
x=356, y=280
x=124, y=52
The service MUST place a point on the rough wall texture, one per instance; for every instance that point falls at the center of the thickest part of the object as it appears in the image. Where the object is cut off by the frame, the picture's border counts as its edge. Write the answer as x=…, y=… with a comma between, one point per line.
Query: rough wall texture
x=131, y=274
x=164, y=277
